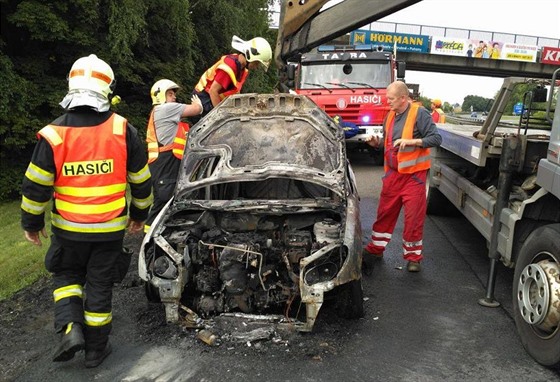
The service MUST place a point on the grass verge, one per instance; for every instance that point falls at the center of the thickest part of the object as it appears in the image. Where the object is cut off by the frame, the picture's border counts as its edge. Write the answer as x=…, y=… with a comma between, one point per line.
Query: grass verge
x=21, y=263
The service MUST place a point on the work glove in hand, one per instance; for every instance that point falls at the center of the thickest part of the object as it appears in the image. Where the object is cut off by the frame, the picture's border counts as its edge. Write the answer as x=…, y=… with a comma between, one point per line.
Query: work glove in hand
x=196, y=101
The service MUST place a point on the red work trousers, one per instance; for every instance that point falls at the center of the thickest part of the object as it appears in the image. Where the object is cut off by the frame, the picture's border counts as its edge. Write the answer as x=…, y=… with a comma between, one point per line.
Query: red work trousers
x=408, y=190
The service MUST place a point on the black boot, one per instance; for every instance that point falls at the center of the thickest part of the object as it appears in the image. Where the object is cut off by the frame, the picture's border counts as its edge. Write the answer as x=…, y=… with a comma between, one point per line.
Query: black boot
x=94, y=358
x=72, y=341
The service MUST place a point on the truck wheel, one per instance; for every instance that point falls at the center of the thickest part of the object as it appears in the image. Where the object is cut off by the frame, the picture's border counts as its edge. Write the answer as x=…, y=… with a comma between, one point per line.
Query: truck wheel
x=152, y=293
x=350, y=301
x=536, y=295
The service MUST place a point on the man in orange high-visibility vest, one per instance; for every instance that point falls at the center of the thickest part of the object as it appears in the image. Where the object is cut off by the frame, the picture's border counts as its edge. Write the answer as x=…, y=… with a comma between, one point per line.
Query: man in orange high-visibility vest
x=408, y=133
x=166, y=136
x=87, y=157
x=438, y=116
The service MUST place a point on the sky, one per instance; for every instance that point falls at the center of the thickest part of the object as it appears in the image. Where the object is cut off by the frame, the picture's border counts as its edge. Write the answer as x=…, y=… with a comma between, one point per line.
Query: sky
x=527, y=17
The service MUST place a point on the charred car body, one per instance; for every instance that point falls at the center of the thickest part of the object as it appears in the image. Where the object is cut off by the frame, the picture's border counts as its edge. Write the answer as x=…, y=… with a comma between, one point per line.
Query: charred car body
x=265, y=216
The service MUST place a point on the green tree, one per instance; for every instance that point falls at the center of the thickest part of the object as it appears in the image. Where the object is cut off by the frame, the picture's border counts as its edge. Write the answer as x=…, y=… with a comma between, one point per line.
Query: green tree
x=519, y=95
x=426, y=102
x=477, y=103
x=243, y=18
x=16, y=105
x=142, y=40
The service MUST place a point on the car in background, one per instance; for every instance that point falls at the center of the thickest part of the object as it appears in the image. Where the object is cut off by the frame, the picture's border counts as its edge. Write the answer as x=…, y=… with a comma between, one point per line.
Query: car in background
x=265, y=216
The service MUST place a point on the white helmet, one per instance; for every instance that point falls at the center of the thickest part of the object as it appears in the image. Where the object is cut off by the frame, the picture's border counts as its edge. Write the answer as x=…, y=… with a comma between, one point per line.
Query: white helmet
x=256, y=49
x=91, y=73
x=90, y=82
x=159, y=89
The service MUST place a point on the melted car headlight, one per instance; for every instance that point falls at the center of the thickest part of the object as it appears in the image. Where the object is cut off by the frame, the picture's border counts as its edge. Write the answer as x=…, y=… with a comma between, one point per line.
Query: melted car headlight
x=321, y=273
x=326, y=267
x=164, y=268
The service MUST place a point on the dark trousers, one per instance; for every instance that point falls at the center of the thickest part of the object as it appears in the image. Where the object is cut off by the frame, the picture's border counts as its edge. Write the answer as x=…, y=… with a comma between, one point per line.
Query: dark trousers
x=90, y=266
x=164, y=171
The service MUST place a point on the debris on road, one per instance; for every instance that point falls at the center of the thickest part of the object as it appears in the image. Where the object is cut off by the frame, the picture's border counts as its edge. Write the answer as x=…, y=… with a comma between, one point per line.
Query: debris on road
x=207, y=337
x=254, y=335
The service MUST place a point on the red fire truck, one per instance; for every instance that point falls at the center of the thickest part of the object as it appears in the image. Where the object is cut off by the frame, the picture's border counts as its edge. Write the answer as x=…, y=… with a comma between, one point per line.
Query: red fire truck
x=349, y=82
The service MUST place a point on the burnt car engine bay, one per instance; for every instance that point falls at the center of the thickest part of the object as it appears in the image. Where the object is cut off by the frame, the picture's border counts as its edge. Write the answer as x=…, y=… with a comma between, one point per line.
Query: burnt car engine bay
x=248, y=262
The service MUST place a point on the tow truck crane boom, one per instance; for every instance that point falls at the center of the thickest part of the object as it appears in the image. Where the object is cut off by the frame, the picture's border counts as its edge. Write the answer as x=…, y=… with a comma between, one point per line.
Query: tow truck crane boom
x=304, y=26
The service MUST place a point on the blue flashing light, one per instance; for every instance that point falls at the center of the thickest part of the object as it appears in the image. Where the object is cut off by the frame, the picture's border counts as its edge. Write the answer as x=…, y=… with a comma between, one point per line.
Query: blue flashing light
x=365, y=119
x=369, y=47
x=364, y=47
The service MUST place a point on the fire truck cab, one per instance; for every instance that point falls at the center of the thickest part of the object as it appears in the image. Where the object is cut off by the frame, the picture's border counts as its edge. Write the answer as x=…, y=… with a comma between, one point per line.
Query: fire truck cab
x=349, y=82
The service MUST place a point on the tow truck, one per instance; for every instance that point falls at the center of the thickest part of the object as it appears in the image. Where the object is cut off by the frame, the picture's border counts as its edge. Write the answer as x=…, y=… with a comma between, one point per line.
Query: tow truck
x=504, y=180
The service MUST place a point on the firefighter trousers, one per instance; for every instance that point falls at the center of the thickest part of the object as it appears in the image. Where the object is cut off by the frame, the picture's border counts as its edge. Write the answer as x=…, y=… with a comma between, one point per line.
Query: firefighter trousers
x=83, y=276
x=398, y=191
x=164, y=171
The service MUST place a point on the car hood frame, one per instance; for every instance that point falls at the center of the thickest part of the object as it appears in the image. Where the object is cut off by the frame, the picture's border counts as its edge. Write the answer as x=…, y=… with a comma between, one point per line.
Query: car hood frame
x=286, y=133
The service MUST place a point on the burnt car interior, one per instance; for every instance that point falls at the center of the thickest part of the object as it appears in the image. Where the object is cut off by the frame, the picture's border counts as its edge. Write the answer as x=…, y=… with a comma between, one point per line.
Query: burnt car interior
x=269, y=189
x=249, y=261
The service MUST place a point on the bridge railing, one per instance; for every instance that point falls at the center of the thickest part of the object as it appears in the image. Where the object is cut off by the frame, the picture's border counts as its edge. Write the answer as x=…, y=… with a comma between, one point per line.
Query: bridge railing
x=384, y=26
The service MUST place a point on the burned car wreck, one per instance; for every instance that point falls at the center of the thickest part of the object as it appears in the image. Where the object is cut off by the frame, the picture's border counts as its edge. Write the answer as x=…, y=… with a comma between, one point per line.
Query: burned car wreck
x=265, y=216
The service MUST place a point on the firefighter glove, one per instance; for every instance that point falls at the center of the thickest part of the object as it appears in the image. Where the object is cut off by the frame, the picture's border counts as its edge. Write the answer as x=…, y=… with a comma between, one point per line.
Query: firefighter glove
x=196, y=101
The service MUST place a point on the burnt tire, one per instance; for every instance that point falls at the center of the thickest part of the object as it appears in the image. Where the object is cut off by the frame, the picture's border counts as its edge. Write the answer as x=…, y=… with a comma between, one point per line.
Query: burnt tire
x=152, y=293
x=540, y=340
x=350, y=300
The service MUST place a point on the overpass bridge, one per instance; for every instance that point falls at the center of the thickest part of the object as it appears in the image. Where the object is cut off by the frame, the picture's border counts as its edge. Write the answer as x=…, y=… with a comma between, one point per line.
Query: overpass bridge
x=455, y=64
x=475, y=66
x=428, y=62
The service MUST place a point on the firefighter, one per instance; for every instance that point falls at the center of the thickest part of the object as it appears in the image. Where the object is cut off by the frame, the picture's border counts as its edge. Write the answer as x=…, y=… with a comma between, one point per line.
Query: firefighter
x=87, y=156
x=438, y=115
x=166, y=137
x=408, y=133
x=226, y=77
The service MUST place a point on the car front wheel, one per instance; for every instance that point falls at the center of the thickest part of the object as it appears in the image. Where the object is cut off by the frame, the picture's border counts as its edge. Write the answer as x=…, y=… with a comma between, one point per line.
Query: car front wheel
x=351, y=300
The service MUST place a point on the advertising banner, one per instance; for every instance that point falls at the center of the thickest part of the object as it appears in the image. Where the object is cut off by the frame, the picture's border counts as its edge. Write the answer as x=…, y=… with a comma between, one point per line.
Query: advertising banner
x=484, y=49
x=405, y=42
x=550, y=55
x=519, y=52
x=495, y=50
x=448, y=46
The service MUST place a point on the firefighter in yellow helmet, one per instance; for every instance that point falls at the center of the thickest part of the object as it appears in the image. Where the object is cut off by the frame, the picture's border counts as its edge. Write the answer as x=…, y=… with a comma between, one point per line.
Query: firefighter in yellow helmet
x=226, y=77
x=87, y=157
x=167, y=137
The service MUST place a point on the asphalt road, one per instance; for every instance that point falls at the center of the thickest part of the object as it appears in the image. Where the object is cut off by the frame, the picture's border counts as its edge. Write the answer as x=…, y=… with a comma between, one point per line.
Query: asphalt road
x=418, y=327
